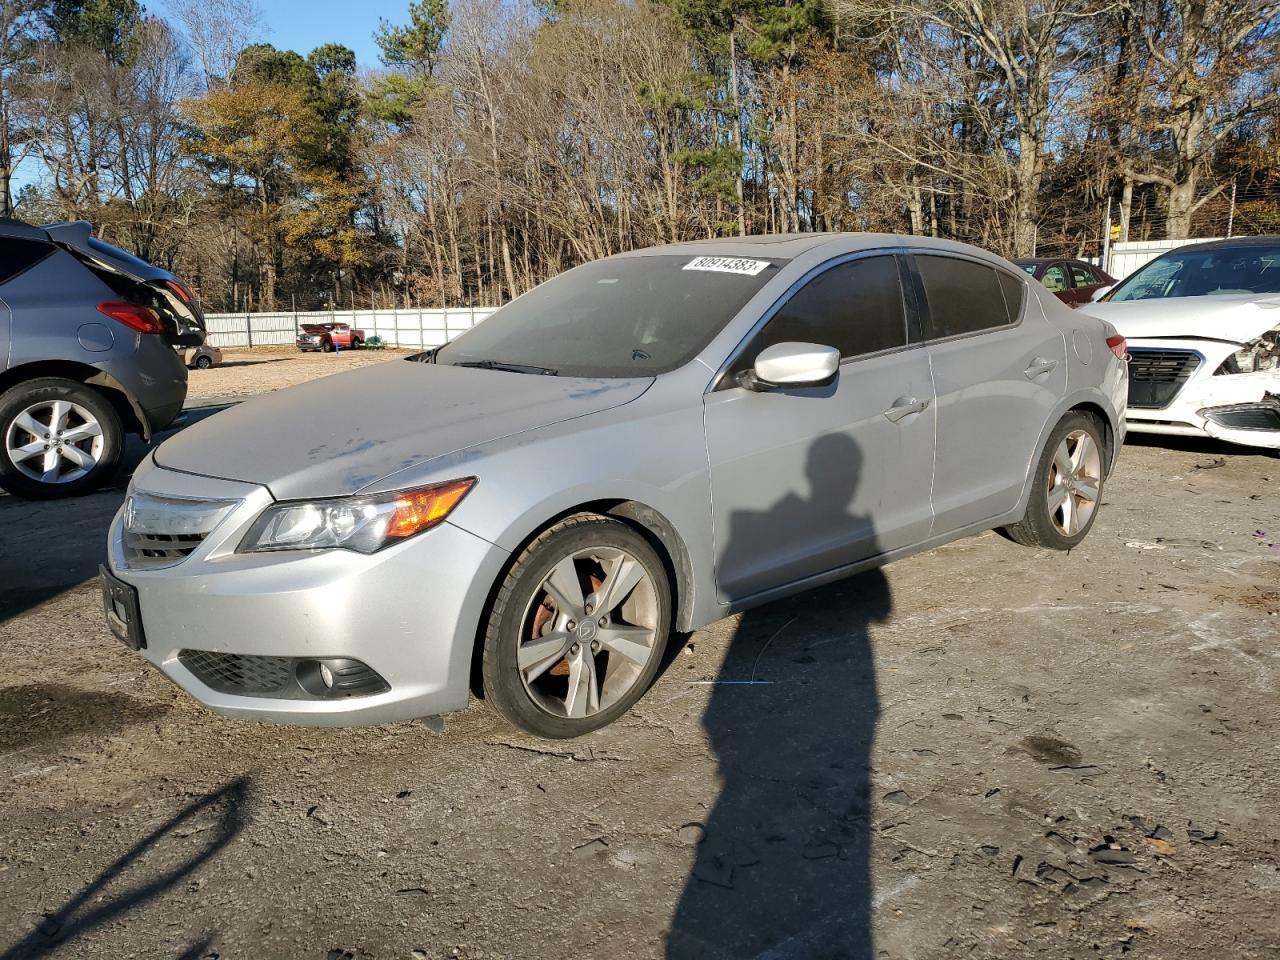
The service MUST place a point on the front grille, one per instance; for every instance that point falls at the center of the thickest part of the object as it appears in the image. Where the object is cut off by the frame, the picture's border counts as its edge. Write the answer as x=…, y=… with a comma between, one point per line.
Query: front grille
x=161, y=531
x=1156, y=376
x=240, y=673
x=159, y=549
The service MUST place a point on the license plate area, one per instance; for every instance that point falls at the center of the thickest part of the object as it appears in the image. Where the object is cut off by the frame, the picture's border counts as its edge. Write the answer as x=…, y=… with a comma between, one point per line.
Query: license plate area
x=120, y=605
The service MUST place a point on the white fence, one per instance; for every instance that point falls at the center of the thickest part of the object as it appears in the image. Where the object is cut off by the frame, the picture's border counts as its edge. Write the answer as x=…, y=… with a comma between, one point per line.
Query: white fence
x=1124, y=258
x=398, y=328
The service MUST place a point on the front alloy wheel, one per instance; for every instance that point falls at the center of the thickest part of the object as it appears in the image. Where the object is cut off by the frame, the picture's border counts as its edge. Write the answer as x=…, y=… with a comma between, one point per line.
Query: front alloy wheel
x=578, y=628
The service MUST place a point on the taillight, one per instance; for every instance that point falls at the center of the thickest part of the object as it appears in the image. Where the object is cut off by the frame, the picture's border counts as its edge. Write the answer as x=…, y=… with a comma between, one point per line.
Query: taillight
x=183, y=293
x=1118, y=347
x=142, y=319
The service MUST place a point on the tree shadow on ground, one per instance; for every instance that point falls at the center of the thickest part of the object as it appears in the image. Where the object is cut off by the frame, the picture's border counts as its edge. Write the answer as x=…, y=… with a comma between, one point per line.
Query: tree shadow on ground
x=96, y=904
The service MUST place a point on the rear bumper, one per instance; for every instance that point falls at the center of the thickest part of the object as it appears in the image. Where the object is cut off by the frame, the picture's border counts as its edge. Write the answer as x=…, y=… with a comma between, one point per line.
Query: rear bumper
x=410, y=613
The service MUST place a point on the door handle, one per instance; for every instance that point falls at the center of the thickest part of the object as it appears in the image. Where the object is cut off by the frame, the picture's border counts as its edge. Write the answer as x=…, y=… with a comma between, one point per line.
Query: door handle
x=1039, y=367
x=904, y=407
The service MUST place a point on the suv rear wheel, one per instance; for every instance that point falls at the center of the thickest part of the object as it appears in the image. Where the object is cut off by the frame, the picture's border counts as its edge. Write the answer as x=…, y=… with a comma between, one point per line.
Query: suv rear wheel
x=58, y=438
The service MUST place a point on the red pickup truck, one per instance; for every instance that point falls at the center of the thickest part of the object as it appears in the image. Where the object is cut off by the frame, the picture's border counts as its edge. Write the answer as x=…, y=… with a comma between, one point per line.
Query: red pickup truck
x=327, y=337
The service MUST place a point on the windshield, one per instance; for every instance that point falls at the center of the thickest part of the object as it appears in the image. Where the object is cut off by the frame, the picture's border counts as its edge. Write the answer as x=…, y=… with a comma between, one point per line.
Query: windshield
x=626, y=317
x=1218, y=272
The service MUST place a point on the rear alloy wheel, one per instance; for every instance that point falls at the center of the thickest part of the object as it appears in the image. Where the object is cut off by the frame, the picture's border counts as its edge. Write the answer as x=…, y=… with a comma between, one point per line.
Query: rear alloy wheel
x=578, y=629
x=59, y=438
x=204, y=362
x=1067, y=487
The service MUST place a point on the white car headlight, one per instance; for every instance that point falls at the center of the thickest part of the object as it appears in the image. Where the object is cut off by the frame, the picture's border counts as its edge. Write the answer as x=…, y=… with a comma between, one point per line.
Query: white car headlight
x=365, y=524
x=1262, y=354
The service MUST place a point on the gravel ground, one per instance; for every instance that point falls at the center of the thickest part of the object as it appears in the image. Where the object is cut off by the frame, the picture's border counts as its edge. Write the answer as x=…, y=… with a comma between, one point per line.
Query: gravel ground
x=983, y=751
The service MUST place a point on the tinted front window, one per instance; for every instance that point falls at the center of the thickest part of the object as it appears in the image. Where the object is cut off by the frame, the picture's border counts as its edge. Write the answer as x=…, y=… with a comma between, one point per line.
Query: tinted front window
x=855, y=307
x=1221, y=271
x=629, y=317
x=963, y=296
x=17, y=254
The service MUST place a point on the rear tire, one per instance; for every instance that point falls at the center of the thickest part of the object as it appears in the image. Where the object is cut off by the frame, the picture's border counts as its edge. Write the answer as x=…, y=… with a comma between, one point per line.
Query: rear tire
x=58, y=438
x=1066, y=488
x=578, y=628
x=204, y=362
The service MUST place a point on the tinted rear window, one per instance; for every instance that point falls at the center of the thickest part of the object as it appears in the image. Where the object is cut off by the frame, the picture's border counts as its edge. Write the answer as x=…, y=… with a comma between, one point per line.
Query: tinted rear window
x=1014, y=290
x=17, y=254
x=963, y=296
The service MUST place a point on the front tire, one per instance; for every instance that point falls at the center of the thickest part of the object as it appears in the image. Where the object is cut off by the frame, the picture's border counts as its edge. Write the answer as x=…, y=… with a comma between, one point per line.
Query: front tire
x=1066, y=488
x=326, y=347
x=204, y=362
x=58, y=438
x=578, y=628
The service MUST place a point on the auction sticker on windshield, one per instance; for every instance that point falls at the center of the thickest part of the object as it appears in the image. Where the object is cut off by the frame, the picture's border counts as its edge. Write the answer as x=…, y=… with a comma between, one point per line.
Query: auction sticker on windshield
x=748, y=268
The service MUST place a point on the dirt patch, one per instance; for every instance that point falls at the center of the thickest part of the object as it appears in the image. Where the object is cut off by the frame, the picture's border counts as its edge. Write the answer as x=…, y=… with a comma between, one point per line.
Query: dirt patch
x=245, y=373
x=44, y=714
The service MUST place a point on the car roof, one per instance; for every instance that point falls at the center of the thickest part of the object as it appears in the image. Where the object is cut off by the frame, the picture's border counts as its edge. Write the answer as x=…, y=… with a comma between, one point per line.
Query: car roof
x=790, y=246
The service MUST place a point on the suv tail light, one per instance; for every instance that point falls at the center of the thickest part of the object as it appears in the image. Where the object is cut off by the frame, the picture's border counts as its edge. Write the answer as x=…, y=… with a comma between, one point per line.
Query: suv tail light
x=142, y=319
x=1118, y=347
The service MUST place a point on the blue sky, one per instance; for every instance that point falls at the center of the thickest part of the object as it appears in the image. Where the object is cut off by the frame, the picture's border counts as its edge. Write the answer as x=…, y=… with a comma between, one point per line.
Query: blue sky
x=303, y=25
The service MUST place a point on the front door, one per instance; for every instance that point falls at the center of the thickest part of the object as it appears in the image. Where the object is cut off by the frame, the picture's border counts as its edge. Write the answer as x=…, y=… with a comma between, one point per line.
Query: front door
x=806, y=480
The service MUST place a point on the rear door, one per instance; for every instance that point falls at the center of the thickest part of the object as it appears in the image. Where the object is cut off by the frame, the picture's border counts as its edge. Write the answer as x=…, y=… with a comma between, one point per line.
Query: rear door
x=807, y=480
x=999, y=368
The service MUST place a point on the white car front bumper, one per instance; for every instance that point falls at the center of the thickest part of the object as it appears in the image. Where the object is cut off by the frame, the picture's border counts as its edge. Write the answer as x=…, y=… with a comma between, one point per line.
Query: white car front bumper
x=1173, y=390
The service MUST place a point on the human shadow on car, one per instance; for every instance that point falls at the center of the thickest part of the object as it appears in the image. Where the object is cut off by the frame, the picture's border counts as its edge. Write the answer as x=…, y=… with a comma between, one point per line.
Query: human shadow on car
x=783, y=866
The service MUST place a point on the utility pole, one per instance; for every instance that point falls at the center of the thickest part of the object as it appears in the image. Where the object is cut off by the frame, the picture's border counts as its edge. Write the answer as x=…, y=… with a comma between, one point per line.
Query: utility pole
x=1231, y=214
x=1106, y=239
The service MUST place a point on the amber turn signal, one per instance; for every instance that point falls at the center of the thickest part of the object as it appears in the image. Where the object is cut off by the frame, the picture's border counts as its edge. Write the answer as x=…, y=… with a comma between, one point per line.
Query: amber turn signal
x=418, y=510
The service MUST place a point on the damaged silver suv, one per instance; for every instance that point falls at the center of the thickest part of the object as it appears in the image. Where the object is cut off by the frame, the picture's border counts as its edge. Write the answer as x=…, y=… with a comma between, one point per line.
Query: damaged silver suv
x=87, y=338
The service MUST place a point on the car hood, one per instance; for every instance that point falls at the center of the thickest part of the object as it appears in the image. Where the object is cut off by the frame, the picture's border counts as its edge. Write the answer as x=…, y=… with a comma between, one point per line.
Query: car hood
x=314, y=328
x=1237, y=318
x=340, y=434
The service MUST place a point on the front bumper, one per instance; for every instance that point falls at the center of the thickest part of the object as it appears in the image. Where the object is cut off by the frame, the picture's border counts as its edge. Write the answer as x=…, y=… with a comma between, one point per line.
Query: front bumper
x=409, y=612
x=1209, y=405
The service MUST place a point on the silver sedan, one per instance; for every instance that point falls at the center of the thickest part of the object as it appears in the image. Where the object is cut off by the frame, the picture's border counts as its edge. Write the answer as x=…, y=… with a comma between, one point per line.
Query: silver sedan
x=642, y=445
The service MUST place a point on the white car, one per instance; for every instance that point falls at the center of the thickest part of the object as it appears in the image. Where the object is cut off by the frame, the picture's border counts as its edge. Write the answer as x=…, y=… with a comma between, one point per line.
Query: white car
x=1203, y=327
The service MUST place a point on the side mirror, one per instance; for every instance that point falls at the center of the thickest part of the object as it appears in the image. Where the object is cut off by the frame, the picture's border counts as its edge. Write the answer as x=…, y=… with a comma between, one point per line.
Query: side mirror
x=1101, y=292
x=793, y=365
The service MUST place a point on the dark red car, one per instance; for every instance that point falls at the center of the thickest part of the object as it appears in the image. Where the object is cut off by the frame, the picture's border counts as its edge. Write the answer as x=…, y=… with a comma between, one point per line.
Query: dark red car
x=1072, y=281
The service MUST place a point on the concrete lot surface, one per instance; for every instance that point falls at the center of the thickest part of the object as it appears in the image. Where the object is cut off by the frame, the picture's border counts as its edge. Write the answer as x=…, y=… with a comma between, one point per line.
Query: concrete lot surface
x=983, y=751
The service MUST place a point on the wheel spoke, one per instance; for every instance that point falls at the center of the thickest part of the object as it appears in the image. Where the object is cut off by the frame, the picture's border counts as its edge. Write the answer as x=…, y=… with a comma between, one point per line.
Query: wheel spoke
x=58, y=412
x=27, y=451
x=1082, y=454
x=1062, y=460
x=583, y=697
x=564, y=587
x=621, y=580
x=1087, y=489
x=77, y=456
x=83, y=431
x=51, y=467
x=24, y=421
x=1057, y=494
x=1069, y=516
x=538, y=656
x=634, y=643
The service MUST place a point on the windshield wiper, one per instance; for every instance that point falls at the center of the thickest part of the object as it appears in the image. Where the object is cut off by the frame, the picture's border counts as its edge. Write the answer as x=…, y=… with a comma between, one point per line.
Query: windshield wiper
x=503, y=365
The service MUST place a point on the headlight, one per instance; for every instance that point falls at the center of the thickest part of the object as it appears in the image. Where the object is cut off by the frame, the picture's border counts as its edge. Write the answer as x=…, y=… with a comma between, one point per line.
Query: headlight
x=1262, y=354
x=365, y=524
